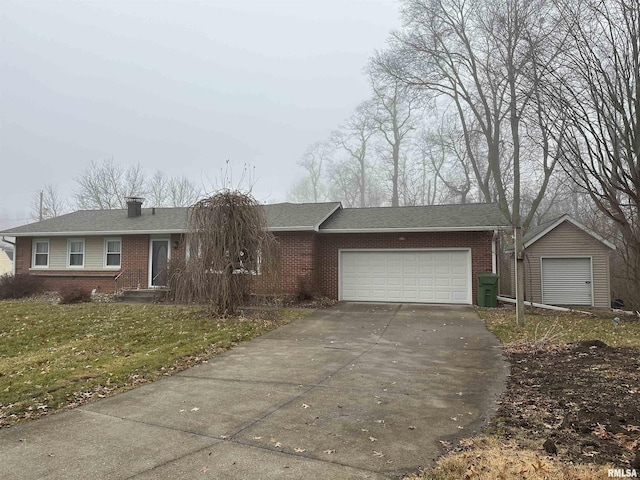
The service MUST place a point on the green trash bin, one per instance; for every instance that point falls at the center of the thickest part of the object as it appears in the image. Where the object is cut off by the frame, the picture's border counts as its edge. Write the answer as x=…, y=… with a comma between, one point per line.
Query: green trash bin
x=488, y=289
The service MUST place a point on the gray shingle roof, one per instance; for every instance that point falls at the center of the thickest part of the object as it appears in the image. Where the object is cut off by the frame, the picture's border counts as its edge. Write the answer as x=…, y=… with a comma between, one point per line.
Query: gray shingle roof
x=107, y=222
x=327, y=217
x=298, y=216
x=475, y=216
x=280, y=217
x=538, y=231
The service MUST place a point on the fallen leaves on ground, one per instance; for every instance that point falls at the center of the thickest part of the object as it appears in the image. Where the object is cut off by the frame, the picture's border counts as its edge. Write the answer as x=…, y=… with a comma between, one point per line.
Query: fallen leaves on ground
x=578, y=396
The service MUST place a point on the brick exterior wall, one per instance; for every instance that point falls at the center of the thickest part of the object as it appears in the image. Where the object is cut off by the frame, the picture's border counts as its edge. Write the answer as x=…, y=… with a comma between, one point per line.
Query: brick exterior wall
x=54, y=280
x=305, y=256
x=135, y=259
x=329, y=245
x=22, y=254
x=297, y=264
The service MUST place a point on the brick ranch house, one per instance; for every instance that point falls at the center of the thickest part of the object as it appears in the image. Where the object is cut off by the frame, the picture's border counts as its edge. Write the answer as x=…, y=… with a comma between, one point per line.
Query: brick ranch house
x=425, y=254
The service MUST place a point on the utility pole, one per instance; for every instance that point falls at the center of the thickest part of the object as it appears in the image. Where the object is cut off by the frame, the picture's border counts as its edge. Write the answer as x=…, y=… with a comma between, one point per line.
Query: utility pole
x=41, y=202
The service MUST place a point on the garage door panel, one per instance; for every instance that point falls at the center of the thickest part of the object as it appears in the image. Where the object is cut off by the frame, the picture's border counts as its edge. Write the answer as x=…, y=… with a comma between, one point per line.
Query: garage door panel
x=394, y=281
x=406, y=276
x=427, y=282
x=458, y=298
x=409, y=270
x=567, y=281
x=459, y=270
x=443, y=269
x=409, y=281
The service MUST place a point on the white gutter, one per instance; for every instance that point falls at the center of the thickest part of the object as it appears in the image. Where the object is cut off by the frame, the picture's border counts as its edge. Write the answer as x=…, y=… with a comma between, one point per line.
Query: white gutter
x=410, y=230
x=305, y=228
x=542, y=305
x=90, y=233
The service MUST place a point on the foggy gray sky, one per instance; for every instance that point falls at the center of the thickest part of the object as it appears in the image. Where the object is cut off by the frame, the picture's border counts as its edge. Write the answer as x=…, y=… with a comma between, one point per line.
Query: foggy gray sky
x=178, y=85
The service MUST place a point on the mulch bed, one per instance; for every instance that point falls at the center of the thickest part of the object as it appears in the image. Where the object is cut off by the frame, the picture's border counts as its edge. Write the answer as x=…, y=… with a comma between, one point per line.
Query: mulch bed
x=584, y=397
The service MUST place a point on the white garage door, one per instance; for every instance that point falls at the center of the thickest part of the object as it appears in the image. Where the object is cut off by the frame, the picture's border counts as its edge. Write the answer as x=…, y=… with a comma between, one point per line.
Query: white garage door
x=422, y=276
x=566, y=281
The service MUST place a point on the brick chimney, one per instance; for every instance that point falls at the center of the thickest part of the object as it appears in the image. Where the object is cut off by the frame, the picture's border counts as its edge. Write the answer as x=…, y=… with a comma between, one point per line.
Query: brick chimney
x=134, y=206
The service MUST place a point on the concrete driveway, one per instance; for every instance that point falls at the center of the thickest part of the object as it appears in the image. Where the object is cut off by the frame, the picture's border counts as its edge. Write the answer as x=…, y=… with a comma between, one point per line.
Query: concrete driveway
x=354, y=391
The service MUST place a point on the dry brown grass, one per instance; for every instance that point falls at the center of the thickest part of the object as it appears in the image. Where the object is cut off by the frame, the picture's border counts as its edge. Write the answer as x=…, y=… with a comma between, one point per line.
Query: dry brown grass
x=488, y=458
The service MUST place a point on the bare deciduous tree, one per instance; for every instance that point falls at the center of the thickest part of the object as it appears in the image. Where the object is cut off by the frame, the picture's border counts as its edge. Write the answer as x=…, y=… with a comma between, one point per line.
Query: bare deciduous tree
x=166, y=191
x=601, y=102
x=394, y=103
x=445, y=149
x=315, y=160
x=48, y=203
x=183, y=192
x=229, y=246
x=488, y=58
x=106, y=185
x=354, y=139
x=158, y=189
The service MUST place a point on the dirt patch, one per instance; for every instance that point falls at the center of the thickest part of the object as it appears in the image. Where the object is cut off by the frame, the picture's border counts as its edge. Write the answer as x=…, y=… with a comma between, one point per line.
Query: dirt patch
x=585, y=397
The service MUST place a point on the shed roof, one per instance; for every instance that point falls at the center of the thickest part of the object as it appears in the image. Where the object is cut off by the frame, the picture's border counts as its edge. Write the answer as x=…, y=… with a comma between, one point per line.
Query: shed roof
x=536, y=233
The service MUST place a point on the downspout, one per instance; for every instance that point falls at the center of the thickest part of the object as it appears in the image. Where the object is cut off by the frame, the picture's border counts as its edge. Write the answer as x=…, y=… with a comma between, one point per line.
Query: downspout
x=494, y=252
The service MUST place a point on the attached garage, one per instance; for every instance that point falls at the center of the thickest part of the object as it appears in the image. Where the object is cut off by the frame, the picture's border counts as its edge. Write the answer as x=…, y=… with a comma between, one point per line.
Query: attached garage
x=418, y=276
x=421, y=254
x=567, y=281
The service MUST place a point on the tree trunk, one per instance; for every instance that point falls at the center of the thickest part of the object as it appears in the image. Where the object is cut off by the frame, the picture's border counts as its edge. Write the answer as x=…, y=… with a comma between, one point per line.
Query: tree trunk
x=519, y=265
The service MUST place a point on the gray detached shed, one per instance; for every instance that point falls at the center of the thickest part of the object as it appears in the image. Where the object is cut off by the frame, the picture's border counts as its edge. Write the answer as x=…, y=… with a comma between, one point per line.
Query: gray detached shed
x=566, y=264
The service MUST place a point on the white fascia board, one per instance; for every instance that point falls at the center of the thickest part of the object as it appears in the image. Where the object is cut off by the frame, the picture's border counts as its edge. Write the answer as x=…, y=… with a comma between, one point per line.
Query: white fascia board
x=306, y=228
x=574, y=222
x=410, y=230
x=98, y=233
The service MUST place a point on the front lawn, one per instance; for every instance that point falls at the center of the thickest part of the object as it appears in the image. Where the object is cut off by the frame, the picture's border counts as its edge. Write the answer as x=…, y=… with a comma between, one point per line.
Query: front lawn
x=57, y=356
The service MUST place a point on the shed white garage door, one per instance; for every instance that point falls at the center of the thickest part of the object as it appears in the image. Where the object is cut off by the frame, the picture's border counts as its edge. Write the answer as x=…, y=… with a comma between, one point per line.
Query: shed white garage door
x=567, y=281
x=421, y=276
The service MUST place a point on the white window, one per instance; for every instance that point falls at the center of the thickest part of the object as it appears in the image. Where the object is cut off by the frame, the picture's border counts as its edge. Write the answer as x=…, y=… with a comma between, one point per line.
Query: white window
x=75, y=256
x=40, y=254
x=112, y=252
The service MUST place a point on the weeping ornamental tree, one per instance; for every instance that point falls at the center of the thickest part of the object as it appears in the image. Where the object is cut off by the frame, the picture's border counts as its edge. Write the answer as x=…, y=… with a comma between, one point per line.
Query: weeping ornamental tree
x=228, y=247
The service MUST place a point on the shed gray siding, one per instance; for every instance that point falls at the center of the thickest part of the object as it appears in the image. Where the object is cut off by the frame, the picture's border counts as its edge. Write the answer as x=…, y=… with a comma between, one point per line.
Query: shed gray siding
x=567, y=240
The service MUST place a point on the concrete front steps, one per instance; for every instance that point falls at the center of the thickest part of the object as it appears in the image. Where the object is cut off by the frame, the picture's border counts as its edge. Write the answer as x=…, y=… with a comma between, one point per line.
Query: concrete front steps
x=151, y=295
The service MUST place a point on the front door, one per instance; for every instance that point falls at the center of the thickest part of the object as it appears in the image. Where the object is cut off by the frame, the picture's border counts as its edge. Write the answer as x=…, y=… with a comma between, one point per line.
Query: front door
x=158, y=263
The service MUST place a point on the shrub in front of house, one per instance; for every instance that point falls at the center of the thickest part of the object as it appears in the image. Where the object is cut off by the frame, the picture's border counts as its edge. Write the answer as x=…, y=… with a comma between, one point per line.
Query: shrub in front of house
x=304, y=290
x=72, y=294
x=19, y=286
